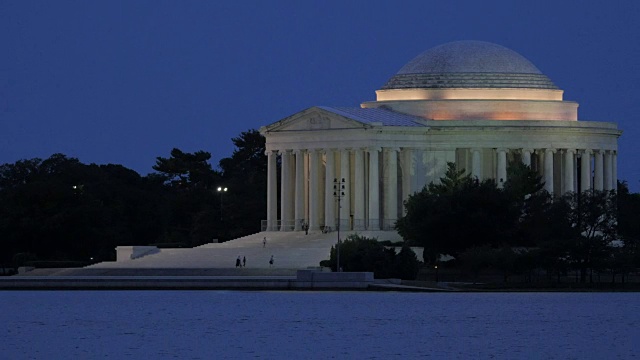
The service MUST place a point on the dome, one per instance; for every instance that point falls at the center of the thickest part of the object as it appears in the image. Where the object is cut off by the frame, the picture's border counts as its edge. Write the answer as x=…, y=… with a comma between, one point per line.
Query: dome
x=469, y=64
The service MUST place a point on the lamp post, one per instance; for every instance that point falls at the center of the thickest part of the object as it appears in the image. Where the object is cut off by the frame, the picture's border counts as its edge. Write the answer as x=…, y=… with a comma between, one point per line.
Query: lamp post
x=221, y=191
x=338, y=193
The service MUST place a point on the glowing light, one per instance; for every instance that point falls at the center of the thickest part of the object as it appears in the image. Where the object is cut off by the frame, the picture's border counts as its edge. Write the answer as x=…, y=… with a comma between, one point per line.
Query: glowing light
x=469, y=94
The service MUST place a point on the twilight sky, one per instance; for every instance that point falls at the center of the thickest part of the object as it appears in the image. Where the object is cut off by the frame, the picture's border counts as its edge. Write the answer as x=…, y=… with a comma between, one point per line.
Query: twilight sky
x=126, y=81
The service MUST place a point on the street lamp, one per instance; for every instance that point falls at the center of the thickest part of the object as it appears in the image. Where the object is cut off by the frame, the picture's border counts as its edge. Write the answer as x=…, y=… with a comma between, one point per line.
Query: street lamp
x=221, y=190
x=338, y=193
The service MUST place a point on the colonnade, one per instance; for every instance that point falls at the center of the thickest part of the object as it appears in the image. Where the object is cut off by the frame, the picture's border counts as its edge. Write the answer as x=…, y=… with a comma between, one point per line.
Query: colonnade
x=378, y=180
x=576, y=169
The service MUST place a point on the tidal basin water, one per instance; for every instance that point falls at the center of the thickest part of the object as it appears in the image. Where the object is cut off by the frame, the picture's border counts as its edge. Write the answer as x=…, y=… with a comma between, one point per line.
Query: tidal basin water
x=317, y=325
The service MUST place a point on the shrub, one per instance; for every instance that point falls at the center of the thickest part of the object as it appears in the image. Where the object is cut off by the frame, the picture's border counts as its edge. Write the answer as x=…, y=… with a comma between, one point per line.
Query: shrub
x=359, y=253
x=406, y=264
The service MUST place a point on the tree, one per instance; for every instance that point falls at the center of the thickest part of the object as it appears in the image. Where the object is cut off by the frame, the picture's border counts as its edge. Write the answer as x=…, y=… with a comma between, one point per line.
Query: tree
x=19, y=173
x=406, y=264
x=456, y=214
x=524, y=188
x=245, y=173
x=475, y=259
x=248, y=161
x=194, y=214
x=186, y=170
x=628, y=256
x=628, y=213
x=454, y=180
x=630, y=236
x=522, y=182
x=593, y=215
x=61, y=209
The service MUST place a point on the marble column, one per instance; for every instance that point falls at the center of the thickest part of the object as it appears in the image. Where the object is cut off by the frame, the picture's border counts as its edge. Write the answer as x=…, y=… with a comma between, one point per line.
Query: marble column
x=614, y=168
x=607, y=174
x=391, y=188
x=358, y=191
x=539, y=154
x=314, y=183
x=272, y=191
x=374, y=190
x=329, y=200
x=299, y=195
x=286, y=222
x=548, y=170
x=598, y=180
x=585, y=170
x=408, y=172
x=476, y=164
x=502, y=167
x=526, y=157
x=568, y=170
x=345, y=204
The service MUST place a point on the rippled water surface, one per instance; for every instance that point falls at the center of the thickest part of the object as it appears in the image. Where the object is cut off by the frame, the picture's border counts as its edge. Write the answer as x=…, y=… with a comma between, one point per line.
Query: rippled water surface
x=319, y=325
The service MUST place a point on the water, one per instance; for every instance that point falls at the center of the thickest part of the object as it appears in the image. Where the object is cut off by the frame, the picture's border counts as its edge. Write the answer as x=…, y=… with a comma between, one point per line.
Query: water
x=317, y=325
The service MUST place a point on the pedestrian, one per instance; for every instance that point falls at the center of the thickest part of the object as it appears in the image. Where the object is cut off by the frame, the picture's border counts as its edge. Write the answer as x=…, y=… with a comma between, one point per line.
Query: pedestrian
x=244, y=261
x=238, y=264
x=264, y=242
x=271, y=261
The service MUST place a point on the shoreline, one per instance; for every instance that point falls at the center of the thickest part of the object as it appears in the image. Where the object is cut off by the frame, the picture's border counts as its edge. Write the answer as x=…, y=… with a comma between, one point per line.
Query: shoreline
x=269, y=280
x=274, y=283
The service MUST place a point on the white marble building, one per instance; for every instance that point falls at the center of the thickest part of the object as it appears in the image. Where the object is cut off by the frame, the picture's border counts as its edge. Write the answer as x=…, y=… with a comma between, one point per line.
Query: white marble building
x=473, y=103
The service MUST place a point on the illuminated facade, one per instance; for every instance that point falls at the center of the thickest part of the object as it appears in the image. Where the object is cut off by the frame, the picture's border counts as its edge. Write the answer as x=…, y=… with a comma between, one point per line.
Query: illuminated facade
x=473, y=103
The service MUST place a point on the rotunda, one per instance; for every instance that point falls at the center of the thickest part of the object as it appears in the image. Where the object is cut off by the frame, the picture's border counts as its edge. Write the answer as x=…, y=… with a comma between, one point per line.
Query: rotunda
x=480, y=76
x=473, y=103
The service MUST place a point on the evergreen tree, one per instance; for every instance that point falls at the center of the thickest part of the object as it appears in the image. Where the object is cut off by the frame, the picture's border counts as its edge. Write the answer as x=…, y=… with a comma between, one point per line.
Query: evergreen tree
x=454, y=180
x=522, y=182
x=456, y=214
x=187, y=170
x=245, y=173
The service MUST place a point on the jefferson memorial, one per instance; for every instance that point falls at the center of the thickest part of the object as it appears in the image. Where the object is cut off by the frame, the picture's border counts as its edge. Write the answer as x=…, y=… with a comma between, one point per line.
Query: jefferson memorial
x=473, y=103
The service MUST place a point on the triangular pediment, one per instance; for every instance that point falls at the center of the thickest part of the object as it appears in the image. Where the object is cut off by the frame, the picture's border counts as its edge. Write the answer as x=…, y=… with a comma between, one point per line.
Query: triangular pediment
x=314, y=119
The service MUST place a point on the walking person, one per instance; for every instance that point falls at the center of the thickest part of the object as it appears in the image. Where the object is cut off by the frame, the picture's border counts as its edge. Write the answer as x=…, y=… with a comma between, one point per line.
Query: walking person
x=271, y=261
x=244, y=261
x=264, y=242
x=238, y=262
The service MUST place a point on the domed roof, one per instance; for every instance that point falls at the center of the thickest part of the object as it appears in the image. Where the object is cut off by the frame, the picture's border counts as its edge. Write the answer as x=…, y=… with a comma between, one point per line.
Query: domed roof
x=469, y=64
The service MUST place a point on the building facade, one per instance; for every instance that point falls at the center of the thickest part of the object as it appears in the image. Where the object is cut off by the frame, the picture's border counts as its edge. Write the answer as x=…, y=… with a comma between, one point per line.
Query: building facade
x=473, y=103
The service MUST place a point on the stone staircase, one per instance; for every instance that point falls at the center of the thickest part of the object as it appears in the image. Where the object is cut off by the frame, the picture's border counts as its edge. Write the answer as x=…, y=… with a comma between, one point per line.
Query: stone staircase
x=290, y=250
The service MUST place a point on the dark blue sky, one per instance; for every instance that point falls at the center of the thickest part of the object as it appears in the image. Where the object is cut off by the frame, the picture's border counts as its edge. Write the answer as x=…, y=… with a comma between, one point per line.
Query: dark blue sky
x=126, y=81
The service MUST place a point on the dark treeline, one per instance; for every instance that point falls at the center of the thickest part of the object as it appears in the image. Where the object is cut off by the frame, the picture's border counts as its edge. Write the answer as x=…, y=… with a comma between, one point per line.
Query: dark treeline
x=522, y=229
x=60, y=209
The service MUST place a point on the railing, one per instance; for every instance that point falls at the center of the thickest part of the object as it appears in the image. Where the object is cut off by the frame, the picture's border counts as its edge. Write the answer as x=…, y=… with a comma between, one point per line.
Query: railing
x=263, y=225
x=278, y=225
x=388, y=224
x=359, y=224
x=286, y=225
x=344, y=225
